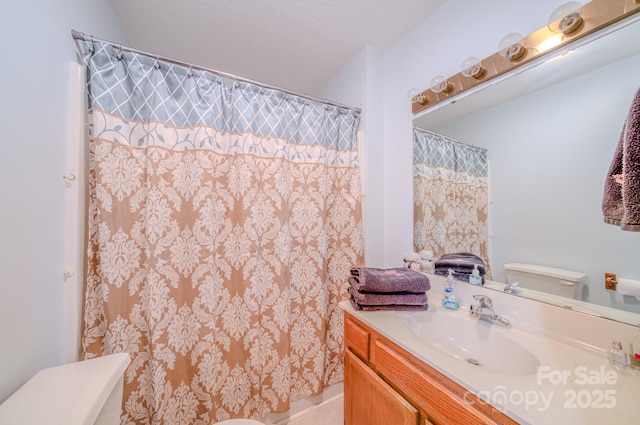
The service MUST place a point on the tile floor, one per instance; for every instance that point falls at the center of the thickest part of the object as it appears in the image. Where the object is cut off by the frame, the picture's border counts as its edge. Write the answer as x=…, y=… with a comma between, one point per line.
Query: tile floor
x=329, y=412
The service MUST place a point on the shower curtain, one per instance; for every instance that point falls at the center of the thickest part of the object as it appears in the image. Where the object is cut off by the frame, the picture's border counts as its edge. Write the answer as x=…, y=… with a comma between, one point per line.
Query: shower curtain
x=223, y=219
x=450, y=196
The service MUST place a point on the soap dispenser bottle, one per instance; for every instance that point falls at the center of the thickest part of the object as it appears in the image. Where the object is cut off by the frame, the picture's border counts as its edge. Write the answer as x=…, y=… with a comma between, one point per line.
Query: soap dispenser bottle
x=449, y=300
x=474, y=277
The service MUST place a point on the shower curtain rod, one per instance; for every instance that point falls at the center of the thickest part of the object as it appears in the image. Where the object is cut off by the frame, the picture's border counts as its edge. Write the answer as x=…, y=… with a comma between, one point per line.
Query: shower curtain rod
x=77, y=35
x=447, y=137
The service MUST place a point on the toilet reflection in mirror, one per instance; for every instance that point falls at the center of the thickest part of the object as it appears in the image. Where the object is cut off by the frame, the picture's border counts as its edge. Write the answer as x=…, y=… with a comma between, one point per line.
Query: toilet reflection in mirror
x=559, y=282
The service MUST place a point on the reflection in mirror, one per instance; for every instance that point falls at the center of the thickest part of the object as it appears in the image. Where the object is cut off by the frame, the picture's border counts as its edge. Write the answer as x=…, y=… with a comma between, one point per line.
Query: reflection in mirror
x=550, y=135
x=450, y=196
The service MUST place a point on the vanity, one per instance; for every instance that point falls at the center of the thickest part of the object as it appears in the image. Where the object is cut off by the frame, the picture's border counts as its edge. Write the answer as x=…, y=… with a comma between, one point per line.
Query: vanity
x=447, y=367
x=388, y=385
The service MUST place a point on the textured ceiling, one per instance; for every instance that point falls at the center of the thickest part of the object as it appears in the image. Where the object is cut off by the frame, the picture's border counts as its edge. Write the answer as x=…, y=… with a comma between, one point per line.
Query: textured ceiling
x=294, y=44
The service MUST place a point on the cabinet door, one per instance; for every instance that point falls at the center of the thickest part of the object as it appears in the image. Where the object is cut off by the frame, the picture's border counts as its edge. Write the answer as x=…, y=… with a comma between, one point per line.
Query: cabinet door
x=369, y=400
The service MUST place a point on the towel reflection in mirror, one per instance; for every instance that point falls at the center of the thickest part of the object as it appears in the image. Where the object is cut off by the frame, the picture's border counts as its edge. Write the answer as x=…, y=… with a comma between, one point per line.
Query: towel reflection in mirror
x=621, y=199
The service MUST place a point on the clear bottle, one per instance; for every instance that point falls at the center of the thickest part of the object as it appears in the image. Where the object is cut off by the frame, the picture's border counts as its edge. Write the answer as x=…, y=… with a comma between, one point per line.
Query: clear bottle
x=474, y=277
x=617, y=356
x=449, y=300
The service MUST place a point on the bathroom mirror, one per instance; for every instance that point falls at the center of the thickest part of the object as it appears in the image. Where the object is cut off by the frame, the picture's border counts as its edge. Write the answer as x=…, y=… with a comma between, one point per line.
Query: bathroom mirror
x=551, y=129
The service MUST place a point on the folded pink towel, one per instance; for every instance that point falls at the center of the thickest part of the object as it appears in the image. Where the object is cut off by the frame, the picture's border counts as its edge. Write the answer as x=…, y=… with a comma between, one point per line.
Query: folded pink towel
x=386, y=298
x=388, y=307
x=400, y=279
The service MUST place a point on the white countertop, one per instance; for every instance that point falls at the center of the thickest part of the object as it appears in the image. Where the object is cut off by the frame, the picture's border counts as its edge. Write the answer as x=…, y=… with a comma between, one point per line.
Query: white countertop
x=574, y=384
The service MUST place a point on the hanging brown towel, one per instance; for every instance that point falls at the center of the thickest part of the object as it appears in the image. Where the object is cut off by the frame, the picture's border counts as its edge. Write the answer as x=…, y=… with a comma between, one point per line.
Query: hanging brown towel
x=621, y=200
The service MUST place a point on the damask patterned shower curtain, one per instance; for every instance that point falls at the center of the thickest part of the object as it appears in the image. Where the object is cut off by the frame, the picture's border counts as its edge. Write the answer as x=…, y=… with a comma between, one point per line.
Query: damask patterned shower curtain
x=450, y=196
x=223, y=220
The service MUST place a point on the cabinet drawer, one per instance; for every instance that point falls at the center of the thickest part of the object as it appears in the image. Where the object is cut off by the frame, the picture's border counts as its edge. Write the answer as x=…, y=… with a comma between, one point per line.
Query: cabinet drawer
x=356, y=338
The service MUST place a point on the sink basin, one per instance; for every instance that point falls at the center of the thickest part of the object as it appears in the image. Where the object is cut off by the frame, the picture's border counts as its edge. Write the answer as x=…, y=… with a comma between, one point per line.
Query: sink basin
x=476, y=342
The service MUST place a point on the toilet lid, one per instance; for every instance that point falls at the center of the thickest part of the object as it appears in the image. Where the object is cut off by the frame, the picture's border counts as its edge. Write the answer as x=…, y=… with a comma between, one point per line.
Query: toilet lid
x=239, y=422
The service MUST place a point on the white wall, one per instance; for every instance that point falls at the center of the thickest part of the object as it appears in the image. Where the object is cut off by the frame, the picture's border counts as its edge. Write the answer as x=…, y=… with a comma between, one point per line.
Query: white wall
x=457, y=30
x=37, y=51
x=359, y=84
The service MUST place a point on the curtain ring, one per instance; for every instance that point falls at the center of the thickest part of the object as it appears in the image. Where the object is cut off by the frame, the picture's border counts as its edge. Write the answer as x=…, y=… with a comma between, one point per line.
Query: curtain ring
x=69, y=178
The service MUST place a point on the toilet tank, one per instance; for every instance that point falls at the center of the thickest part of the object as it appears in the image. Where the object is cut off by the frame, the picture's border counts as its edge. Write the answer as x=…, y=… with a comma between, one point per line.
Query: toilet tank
x=565, y=283
x=88, y=392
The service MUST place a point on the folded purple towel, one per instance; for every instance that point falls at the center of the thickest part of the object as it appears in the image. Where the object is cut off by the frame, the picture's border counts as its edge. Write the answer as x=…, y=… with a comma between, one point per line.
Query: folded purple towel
x=459, y=262
x=388, y=307
x=386, y=298
x=400, y=279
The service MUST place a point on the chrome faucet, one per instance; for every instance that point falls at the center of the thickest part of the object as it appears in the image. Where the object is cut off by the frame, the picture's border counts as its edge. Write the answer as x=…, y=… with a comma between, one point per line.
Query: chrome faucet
x=511, y=289
x=484, y=311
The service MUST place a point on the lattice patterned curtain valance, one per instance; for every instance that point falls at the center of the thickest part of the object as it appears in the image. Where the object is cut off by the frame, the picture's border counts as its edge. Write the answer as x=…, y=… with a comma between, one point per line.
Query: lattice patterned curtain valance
x=144, y=89
x=432, y=151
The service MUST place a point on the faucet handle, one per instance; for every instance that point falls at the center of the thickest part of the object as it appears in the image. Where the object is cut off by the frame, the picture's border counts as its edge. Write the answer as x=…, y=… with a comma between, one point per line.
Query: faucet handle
x=512, y=288
x=484, y=301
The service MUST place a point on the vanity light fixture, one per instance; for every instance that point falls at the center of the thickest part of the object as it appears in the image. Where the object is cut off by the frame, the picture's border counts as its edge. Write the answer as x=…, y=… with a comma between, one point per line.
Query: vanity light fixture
x=472, y=67
x=569, y=23
x=440, y=84
x=511, y=46
x=566, y=18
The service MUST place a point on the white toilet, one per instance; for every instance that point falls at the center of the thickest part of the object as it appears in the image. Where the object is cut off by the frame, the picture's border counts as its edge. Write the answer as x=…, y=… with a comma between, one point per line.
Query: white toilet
x=239, y=422
x=564, y=283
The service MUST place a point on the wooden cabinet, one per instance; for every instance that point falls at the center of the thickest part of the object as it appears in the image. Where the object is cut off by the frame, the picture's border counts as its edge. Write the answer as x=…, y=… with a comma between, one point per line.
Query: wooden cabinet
x=384, y=384
x=369, y=400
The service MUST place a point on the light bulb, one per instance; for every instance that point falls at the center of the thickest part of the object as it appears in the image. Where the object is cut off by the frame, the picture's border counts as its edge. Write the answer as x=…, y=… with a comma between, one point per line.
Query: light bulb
x=566, y=18
x=440, y=84
x=511, y=46
x=472, y=67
